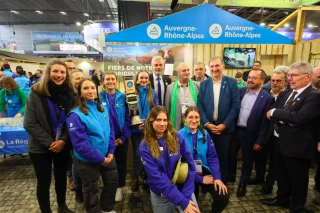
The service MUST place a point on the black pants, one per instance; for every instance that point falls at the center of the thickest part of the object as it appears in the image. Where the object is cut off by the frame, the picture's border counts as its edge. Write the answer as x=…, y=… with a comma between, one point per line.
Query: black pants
x=89, y=174
x=219, y=202
x=121, y=159
x=317, y=177
x=293, y=179
x=223, y=144
x=42, y=164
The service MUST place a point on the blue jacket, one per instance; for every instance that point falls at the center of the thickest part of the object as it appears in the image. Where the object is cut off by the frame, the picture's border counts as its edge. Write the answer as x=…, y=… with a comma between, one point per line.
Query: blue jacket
x=229, y=102
x=206, y=153
x=24, y=83
x=91, y=135
x=257, y=124
x=7, y=73
x=160, y=174
x=124, y=118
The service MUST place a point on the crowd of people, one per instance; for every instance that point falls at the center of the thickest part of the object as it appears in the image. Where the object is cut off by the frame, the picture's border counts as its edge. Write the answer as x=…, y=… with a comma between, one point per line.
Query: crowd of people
x=189, y=137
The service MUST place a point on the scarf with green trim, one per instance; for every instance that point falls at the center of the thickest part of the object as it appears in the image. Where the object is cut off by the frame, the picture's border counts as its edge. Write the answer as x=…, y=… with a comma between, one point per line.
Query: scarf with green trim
x=175, y=99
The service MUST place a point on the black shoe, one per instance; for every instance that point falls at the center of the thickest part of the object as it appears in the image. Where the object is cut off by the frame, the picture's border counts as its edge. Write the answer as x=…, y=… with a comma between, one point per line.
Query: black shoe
x=308, y=210
x=316, y=187
x=316, y=202
x=275, y=202
x=255, y=181
x=79, y=196
x=266, y=190
x=62, y=208
x=242, y=189
x=232, y=179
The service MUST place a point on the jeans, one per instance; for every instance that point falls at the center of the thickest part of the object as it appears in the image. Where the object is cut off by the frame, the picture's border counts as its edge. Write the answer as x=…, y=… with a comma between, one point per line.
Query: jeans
x=89, y=173
x=121, y=159
x=42, y=163
x=136, y=138
x=163, y=205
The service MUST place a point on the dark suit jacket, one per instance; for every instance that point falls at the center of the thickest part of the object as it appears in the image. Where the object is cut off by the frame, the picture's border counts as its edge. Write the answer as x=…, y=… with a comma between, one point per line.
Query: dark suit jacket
x=166, y=81
x=96, y=80
x=258, y=123
x=229, y=102
x=297, y=137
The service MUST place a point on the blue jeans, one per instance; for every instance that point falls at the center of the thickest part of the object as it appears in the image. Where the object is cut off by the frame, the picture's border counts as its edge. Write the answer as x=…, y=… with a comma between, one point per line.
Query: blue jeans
x=161, y=205
x=136, y=138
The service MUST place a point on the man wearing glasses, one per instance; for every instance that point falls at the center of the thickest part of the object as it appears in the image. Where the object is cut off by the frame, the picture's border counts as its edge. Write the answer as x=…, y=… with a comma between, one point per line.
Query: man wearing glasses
x=252, y=125
x=70, y=64
x=158, y=81
x=199, y=72
x=295, y=114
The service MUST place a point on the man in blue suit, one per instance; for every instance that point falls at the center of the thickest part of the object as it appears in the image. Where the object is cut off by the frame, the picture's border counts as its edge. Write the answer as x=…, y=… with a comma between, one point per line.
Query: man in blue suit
x=252, y=125
x=219, y=105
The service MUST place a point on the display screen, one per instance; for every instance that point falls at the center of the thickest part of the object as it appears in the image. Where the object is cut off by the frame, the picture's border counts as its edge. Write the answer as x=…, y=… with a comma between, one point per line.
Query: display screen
x=239, y=58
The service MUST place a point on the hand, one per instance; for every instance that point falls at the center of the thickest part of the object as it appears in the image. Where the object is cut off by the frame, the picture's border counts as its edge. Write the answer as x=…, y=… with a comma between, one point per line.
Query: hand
x=57, y=146
x=269, y=114
x=208, y=179
x=318, y=146
x=118, y=142
x=141, y=127
x=18, y=115
x=221, y=128
x=191, y=208
x=107, y=160
x=256, y=147
x=222, y=188
x=211, y=127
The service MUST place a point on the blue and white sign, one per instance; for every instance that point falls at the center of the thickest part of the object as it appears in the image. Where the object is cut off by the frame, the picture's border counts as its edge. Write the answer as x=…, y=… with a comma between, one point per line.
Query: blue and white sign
x=200, y=25
x=92, y=31
x=306, y=36
x=13, y=141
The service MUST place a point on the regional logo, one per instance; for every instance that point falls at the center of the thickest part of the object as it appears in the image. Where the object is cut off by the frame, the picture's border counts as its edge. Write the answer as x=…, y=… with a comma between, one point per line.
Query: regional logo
x=109, y=49
x=1, y=144
x=129, y=84
x=215, y=30
x=154, y=31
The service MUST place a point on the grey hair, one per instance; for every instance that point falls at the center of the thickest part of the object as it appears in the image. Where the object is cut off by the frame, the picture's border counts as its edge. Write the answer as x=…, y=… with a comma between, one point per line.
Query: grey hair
x=216, y=57
x=281, y=70
x=156, y=58
x=302, y=66
x=178, y=67
x=200, y=63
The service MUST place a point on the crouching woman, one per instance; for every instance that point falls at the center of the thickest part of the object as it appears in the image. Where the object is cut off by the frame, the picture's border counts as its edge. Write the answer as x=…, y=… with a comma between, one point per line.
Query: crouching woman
x=92, y=137
x=160, y=151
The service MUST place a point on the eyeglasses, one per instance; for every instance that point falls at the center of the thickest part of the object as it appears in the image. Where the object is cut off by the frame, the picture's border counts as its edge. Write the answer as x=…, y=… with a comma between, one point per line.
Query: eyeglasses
x=157, y=65
x=278, y=81
x=200, y=69
x=253, y=78
x=296, y=75
x=185, y=70
x=196, y=118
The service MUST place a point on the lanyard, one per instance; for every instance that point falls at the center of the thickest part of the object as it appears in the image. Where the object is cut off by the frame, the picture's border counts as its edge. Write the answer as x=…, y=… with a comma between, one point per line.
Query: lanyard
x=185, y=96
x=165, y=157
x=58, y=115
x=195, y=149
x=144, y=103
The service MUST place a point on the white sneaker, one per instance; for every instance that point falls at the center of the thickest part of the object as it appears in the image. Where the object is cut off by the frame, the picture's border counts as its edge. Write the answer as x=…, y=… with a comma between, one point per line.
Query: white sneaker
x=118, y=195
x=113, y=211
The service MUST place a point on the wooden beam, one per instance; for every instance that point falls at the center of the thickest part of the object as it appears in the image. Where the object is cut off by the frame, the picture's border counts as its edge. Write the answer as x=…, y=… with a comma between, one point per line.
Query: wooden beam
x=310, y=8
x=299, y=26
x=287, y=19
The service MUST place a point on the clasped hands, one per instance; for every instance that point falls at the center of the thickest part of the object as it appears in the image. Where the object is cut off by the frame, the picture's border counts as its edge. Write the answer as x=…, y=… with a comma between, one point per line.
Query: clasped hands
x=57, y=146
x=216, y=129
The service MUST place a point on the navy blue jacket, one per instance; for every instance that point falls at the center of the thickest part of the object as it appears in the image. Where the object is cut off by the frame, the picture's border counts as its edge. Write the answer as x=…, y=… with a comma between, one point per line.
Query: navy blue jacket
x=229, y=102
x=258, y=123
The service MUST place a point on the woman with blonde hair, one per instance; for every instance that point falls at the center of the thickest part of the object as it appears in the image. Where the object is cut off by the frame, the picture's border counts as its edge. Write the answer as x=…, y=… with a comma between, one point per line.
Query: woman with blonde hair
x=160, y=151
x=48, y=104
x=147, y=99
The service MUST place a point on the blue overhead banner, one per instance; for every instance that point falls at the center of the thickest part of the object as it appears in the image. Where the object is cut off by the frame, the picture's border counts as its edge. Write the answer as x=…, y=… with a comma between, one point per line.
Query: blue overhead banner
x=200, y=25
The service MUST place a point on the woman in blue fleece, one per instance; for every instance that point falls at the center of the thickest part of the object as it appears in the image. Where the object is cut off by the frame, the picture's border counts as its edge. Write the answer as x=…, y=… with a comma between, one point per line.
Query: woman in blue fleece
x=92, y=137
x=207, y=166
x=147, y=99
x=160, y=152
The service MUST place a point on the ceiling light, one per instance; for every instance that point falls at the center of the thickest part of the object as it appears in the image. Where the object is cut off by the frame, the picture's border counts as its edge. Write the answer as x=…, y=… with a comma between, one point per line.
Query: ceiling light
x=63, y=13
x=15, y=12
x=310, y=25
x=291, y=28
x=108, y=15
x=262, y=24
x=101, y=0
x=86, y=14
x=78, y=24
x=39, y=12
x=286, y=25
x=269, y=25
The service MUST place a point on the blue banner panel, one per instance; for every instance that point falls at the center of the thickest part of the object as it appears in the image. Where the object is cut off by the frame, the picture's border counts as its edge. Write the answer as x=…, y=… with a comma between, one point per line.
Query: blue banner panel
x=200, y=25
x=92, y=31
x=13, y=141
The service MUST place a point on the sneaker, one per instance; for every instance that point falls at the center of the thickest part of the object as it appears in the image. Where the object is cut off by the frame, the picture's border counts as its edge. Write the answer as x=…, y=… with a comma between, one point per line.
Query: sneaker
x=64, y=209
x=70, y=184
x=113, y=211
x=119, y=195
x=79, y=196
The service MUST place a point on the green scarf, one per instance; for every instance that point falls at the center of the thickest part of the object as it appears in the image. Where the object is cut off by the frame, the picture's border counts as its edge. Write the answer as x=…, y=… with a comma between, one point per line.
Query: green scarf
x=175, y=99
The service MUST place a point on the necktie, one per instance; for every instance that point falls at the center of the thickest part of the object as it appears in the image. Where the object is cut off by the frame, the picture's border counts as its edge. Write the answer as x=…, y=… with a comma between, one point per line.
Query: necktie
x=290, y=101
x=159, y=91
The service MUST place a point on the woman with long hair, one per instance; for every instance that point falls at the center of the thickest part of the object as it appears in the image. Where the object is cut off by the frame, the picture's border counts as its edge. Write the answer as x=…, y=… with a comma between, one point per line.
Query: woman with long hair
x=48, y=104
x=206, y=159
x=12, y=96
x=160, y=152
x=92, y=137
x=147, y=99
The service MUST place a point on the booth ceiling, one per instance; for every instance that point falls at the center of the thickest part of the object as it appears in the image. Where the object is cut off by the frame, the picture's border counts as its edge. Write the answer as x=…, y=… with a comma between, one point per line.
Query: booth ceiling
x=106, y=10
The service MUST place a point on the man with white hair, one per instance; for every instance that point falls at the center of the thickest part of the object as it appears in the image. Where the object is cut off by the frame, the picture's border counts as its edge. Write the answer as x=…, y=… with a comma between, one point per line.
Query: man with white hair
x=295, y=116
x=158, y=81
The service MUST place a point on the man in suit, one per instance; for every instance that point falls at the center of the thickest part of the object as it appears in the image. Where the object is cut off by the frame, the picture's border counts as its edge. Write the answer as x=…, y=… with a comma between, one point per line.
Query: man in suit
x=95, y=78
x=295, y=114
x=252, y=125
x=199, y=72
x=219, y=105
x=180, y=95
x=158, y=81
